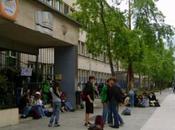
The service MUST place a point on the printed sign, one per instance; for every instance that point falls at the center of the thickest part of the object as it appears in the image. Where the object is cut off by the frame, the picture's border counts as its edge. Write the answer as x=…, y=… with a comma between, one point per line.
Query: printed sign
x=9, y=9
x=26, y=72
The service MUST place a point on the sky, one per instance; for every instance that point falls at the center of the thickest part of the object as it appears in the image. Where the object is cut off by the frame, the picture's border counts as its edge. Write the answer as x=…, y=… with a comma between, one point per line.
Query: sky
x=166, y=6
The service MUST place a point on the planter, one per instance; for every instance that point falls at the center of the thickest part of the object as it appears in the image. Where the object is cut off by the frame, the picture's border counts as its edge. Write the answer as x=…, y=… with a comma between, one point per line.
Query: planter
x=9, y=117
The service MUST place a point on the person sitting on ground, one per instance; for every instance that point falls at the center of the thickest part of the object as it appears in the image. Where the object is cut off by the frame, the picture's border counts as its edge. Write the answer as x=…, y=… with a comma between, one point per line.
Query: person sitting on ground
x=139, y=98
x=144, y=102
x=38, y=107
x=63, y=100
x=98, y=125
x=153, y=100
x=26, y=105
x=65, y=103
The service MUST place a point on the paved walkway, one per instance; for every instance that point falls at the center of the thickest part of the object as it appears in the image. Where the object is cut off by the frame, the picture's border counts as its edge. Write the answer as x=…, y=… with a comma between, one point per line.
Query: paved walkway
x=74, y=121
x=164, y=117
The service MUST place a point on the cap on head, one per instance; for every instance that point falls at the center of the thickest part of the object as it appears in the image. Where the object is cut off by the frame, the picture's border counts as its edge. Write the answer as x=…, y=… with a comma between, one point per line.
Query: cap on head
x=37, y=93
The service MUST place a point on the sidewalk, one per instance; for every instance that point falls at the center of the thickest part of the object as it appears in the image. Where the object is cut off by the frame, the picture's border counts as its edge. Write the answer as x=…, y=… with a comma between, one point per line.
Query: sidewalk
x=74, y=121
x=164, y=117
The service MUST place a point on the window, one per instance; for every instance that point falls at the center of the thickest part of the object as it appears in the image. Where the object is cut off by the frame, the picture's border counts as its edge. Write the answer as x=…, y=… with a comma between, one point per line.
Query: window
x=79, y=47
x=58, y=5
x=49, y=2
x=11, y=58
x=82, y=48
x=66, y=9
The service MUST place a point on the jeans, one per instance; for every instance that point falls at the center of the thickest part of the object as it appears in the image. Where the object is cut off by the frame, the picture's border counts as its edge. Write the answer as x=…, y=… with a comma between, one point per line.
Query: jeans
x=39, y=109
x=105, y=112
x=56, y=113
x=110, y=114
x=132, y=99
x=119, y=117
x=113, y=112
x=26, y=111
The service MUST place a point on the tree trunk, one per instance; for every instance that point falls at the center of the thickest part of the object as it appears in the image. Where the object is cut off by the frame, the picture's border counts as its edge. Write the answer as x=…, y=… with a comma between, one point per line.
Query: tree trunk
x=130, y=76
x=111, y=63
x=107, y=37
x=148, y=82
x=140, y=82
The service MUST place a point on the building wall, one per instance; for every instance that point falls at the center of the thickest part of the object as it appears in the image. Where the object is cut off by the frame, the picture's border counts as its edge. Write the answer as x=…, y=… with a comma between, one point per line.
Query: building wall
x=26, y=18
x=85, y=60
x=88, y=65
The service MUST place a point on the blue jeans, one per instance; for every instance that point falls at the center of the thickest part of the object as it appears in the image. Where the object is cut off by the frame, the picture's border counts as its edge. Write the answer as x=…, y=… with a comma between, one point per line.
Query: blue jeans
x=56, y=113
x=26, y=111
x=132, y=100
x=113, y=112
x=39, y=109
x=110, y=117
x=105, y=112
x=119, y=117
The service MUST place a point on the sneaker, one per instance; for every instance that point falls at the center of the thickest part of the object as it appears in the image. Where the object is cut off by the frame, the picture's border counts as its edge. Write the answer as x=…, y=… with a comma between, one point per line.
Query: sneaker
x=122, y=124
x=49, y=125
x=86, y=124
x=56, y=125
x=89, y=123
x=116, y=127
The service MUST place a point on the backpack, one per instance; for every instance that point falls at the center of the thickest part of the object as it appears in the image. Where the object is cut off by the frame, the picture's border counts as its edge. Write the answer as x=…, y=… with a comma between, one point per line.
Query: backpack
x=126, y=112
x=35, y=114
x=83, y=96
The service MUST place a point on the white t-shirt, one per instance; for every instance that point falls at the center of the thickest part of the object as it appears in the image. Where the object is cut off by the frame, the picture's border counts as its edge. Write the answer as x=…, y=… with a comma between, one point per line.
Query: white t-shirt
x=55, y=98
x=39, y=102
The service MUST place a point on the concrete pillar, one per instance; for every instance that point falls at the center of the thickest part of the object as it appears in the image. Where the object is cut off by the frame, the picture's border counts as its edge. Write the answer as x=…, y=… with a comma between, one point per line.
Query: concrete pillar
x=66, y=66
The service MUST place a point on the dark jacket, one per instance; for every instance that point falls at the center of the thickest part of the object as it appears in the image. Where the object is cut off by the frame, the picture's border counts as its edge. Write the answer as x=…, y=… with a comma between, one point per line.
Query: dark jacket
x=115, y=94
x=89, y=90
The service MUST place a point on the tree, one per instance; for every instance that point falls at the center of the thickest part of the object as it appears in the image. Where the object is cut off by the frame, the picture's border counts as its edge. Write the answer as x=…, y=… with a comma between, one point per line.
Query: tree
x=127, y=36
x=145, y=28
x=102, y=23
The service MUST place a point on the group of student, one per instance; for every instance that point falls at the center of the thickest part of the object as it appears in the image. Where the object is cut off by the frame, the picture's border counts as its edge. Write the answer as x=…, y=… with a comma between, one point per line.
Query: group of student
x=33, y=104
x=111, y=96
x=142, y=100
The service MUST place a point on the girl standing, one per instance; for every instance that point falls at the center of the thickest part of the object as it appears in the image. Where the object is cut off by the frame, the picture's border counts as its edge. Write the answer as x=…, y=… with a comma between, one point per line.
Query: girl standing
x=56, y=94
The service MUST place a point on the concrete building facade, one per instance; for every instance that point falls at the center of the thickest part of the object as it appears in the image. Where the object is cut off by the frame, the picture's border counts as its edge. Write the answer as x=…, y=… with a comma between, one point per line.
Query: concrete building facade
x=40, y=35
x=37, y=36
x=87, y=65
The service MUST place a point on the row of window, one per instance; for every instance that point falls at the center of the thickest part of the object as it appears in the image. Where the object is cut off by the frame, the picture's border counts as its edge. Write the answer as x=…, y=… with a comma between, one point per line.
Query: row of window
x=83, y=51
x=83, y=76
x=8, y=58
x=59, y=5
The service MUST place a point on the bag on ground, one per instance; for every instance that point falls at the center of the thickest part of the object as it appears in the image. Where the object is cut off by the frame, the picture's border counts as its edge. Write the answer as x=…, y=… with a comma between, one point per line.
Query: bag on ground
x=126, y=112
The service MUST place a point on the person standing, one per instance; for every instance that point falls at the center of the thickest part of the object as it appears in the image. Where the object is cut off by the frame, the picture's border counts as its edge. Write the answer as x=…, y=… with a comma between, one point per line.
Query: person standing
x=104, y=100
x=46, y=91
x=115, y=97
x=89, y=99
x=132, y=97
x=56, y=100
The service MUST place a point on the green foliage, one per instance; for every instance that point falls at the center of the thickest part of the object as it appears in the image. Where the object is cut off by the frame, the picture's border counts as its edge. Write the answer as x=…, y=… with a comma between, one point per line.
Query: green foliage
x=102, y=24
x=142, y=47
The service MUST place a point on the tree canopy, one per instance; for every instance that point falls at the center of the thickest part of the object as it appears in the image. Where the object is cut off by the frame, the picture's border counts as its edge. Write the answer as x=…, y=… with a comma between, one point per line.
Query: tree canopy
x=138, y=37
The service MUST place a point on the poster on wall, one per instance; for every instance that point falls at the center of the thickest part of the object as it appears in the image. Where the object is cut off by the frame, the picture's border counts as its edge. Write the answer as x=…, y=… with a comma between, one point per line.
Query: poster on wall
x=26, y=72
x=9, y=9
